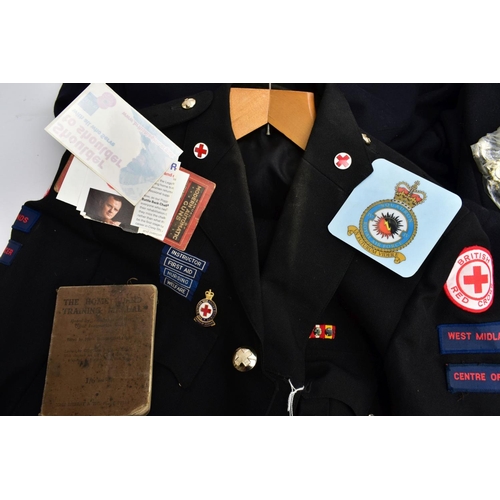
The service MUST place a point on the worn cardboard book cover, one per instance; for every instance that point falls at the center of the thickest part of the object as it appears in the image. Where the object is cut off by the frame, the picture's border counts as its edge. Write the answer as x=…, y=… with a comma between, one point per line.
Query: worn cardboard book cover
x=101, y=351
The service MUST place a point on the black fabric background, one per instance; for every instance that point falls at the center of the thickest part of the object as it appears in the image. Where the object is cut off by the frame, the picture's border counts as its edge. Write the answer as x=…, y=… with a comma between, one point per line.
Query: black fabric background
x=271, y=287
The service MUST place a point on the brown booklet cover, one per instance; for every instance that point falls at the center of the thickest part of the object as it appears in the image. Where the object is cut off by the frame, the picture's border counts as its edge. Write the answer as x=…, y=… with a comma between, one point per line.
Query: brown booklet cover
x=101, y=351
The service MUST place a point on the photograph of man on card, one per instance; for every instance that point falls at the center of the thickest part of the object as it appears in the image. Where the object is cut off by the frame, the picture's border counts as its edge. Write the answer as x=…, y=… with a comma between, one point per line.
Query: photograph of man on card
x=108, y=208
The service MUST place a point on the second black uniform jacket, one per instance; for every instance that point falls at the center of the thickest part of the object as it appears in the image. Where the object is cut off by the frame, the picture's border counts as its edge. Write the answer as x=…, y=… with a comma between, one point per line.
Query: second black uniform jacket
x=275, y=271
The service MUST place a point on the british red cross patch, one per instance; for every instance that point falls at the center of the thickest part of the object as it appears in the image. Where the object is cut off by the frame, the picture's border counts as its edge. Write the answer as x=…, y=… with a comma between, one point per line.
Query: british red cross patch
x=470, y=283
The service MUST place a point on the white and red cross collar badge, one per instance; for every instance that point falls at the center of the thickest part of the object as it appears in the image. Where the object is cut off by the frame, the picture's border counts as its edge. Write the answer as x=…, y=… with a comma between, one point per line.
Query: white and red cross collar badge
x=470, y=283
x=206, y=310
x=200, y=151
x=342, y=161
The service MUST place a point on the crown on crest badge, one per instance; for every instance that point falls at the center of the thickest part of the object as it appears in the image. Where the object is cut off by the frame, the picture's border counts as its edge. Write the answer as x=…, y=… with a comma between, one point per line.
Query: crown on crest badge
x=409, y=196
x=387, y=226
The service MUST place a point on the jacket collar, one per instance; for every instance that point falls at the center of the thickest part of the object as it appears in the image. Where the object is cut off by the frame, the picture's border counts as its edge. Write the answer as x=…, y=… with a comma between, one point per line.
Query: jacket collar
x=335, y=131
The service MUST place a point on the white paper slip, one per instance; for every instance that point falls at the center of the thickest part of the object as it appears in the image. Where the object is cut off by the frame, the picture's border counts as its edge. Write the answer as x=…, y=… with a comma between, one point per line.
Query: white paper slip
x=96, y=200
x=109, y=136
x=76, y=177
x=155, y=211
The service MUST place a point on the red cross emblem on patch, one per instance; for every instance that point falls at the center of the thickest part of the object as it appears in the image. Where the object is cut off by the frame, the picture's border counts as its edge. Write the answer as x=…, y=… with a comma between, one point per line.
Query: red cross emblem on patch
x=200, y=150
x=470, y=283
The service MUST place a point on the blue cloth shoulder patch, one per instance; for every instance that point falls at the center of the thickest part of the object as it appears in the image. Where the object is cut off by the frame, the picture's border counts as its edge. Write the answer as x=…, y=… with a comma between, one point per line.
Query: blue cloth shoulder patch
x=473, y=378
x=469, y=338
x=26, y=219
x=10, y=252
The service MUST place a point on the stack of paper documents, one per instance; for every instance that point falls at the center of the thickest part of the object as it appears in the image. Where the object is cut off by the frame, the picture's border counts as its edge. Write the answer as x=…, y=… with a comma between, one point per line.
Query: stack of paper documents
x=124, y=171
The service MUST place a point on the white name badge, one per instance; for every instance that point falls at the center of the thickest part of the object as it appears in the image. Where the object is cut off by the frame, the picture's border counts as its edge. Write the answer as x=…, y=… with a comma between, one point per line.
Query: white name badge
x=395, y=217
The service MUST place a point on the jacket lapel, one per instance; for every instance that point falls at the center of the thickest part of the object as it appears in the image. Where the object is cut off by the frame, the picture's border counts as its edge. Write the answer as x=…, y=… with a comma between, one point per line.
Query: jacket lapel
x=227, y=220
x=306, y=263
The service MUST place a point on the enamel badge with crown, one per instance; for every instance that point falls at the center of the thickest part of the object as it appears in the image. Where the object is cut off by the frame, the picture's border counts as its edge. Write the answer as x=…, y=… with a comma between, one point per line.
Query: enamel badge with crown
x=387, y=226
x=206, y=310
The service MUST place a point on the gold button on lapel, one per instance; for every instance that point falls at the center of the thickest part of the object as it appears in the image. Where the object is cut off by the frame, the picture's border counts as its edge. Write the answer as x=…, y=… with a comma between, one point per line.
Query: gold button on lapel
x=188, y=103
x=366, y=139
x=244, y=359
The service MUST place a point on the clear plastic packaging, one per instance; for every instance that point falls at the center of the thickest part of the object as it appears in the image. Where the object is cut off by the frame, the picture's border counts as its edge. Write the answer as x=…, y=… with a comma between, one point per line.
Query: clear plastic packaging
x=486, y=153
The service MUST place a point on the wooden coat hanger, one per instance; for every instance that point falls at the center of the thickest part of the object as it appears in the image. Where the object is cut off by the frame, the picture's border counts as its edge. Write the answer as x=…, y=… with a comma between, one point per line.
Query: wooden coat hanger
x=291, y=112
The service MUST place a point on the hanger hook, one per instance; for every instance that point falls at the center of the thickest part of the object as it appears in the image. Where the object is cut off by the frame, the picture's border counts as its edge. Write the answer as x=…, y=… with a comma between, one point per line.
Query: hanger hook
x=268, y=132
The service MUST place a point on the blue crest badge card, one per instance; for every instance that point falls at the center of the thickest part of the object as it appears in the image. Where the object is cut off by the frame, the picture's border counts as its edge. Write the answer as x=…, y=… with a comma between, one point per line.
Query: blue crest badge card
x=395, y=217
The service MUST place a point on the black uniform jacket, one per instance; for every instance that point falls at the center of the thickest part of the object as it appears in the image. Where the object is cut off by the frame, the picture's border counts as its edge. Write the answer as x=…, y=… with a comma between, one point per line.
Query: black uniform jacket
x=276, y=272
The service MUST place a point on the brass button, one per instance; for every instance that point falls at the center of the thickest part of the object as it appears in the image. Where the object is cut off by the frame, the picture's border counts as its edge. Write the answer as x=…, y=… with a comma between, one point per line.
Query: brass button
x=366, y=139
x=188, y=103
x=244, y=359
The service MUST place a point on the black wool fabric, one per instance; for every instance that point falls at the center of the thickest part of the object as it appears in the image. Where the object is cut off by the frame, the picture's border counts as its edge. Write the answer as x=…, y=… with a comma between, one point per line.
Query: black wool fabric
x=275, y=269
